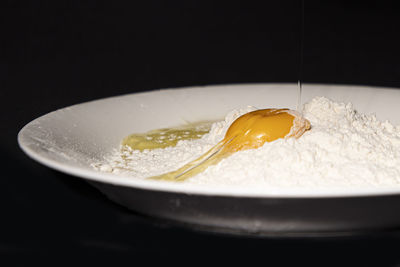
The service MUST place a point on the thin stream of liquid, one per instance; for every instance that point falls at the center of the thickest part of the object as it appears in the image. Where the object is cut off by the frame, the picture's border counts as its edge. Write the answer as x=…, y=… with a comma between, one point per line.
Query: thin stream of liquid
x=299, y=96
x=301, y=46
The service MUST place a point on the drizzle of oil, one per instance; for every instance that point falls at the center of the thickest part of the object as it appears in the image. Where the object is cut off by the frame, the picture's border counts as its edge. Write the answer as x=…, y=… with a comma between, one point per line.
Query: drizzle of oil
x=301, y=59
x=299, y=96
x=166, y=137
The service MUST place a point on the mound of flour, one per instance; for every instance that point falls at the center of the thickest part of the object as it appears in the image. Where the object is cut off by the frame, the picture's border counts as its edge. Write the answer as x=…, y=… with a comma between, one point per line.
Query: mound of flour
x=343, y=149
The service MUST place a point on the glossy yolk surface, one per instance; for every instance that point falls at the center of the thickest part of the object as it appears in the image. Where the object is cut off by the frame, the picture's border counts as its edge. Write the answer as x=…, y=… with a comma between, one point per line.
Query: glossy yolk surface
x=255, y=128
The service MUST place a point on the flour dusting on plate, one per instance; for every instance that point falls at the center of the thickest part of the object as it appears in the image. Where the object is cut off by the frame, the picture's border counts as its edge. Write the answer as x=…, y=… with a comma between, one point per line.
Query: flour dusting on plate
x=343, y=149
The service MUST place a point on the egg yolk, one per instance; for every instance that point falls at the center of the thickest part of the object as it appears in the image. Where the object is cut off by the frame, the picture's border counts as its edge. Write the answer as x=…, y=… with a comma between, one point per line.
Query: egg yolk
x=255, y=128
x=249, y=131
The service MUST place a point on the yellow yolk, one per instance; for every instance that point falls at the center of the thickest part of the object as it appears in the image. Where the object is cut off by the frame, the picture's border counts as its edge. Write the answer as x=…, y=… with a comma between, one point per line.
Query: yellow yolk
x=255, y=128
x=249, y=131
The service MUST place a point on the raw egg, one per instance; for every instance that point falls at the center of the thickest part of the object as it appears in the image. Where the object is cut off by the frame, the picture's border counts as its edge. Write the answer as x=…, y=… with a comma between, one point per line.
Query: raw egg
x=249, y=131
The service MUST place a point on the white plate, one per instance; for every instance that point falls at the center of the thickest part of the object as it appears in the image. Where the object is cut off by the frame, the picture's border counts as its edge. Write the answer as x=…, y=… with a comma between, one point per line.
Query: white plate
x=72, y=138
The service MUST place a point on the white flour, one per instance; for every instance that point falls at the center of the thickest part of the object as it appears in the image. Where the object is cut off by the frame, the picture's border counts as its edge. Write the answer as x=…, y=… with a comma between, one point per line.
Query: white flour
x=342, y=149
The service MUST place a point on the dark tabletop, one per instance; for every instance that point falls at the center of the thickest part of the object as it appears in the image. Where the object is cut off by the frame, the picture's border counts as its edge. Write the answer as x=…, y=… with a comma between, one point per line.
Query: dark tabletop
x=58, y=53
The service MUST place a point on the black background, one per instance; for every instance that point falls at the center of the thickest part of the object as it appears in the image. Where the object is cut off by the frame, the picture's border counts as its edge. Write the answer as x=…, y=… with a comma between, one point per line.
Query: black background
x=58, y=53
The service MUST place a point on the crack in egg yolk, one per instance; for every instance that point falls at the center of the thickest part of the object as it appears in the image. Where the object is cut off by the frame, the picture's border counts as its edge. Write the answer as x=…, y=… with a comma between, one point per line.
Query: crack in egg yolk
x=249, y=131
